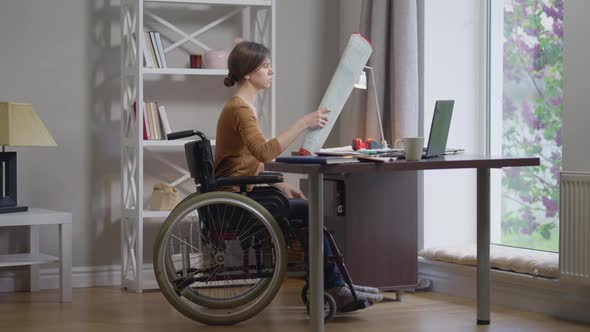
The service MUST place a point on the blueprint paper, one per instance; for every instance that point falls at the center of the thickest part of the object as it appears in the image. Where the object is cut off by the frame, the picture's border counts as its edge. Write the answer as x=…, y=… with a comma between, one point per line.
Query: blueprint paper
x=353, y=60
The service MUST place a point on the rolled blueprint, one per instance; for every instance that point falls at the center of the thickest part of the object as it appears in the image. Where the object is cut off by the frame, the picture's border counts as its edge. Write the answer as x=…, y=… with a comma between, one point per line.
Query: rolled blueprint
x=353, y=60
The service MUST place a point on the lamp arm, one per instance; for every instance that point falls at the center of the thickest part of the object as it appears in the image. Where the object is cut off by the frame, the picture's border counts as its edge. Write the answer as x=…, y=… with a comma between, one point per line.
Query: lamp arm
x=383, y=141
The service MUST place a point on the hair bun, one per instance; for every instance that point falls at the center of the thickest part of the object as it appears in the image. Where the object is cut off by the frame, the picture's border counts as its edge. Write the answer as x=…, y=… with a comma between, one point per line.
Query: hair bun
x=228, y=81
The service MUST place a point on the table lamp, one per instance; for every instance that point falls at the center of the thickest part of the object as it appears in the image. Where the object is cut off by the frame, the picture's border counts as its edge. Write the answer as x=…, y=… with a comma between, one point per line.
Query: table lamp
x=362, y=84
x=19, y=126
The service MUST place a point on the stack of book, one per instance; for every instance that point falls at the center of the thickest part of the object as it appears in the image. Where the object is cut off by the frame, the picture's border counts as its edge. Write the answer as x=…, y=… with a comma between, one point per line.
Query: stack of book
x=153, y=51
x=321, y=160
x=155, y=121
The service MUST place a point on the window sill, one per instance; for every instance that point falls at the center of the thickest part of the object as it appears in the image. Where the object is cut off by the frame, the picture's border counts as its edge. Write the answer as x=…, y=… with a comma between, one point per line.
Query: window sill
x=522, y=291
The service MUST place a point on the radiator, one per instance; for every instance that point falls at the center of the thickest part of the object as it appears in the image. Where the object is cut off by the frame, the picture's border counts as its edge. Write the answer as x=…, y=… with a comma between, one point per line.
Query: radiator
x=574, y=234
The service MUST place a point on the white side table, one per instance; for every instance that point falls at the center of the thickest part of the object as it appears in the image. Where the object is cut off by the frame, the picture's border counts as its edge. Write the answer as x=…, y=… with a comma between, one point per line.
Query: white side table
x=33, y=219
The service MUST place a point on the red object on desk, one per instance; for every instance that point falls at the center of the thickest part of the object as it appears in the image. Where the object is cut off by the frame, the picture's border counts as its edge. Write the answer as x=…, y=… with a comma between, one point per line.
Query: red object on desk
x=358, y=144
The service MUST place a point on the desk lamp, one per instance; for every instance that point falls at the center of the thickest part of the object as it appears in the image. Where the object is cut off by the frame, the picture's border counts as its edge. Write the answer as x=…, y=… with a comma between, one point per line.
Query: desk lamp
x=19, y=126
x=362, y=84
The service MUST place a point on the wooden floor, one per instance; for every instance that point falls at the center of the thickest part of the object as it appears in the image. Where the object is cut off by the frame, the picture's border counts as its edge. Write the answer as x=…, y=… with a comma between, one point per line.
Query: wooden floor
x=111, y=309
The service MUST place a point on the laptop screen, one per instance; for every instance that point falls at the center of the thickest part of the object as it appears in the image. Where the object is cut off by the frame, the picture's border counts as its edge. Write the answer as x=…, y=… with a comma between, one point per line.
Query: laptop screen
x=439, y=129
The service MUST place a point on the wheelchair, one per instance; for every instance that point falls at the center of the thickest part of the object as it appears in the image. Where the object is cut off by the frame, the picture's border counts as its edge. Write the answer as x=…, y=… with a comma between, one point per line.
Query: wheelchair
x=221, y=257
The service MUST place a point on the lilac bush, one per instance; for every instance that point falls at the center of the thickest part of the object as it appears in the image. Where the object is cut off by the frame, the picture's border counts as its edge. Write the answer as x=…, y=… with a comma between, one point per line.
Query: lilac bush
x=532, y=119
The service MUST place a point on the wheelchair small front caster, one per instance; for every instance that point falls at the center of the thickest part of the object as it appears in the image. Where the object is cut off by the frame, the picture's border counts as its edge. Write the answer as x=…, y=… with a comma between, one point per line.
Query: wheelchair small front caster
x=398, y=295
x=329, y=307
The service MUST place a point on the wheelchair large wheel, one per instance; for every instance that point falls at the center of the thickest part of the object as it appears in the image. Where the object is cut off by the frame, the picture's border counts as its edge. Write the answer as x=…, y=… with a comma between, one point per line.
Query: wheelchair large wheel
x=220, y=258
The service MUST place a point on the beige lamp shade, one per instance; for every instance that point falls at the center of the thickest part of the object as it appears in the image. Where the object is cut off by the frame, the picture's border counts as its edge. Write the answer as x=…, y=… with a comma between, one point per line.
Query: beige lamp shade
x=20, y=126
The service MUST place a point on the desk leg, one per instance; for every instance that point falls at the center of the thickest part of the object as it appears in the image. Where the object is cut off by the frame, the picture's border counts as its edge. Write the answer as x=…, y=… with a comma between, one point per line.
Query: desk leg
x=65, y=262
x=34, y=250
x=483, y=246
x=316, y=251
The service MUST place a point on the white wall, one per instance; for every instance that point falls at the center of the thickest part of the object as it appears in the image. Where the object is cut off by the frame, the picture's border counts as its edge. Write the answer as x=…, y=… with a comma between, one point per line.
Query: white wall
x=349, y=22
x=308, y=53
x=64, y=57
x=46, y=60
x=576, y=84
x=453, y=69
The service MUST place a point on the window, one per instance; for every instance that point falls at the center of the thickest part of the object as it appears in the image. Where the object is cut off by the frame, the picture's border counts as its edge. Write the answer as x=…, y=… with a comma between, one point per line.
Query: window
x=526, y=59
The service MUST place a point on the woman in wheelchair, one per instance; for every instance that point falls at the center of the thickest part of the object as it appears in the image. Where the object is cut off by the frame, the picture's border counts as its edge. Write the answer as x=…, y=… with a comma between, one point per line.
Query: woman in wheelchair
x=241, y=148
x=220, y=257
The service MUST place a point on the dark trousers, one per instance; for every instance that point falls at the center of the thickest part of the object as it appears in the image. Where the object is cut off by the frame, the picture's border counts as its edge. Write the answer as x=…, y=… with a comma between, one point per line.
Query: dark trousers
x=299, y=209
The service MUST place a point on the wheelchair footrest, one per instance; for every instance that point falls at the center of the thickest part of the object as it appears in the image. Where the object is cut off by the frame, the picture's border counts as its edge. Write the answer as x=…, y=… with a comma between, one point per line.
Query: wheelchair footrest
x=354, y=306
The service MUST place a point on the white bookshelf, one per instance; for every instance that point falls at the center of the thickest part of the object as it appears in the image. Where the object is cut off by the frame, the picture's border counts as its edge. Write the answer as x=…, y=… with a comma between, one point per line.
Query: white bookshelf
x=257, y=22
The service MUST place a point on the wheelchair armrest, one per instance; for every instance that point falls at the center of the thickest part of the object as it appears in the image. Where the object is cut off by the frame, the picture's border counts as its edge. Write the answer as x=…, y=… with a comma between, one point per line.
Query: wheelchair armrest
x=241, y=180
x=264, y=173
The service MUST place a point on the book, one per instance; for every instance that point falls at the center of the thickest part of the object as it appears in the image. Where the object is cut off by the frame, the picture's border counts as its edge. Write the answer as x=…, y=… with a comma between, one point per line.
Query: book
x=165, y=123
x=160, y=50
x=150, y=46
x=147, y=56
x=376, y=159
x=146, y=121
x=151, y=121
x=347, y=151
x=157, y=120
x=155, y=49
x=337, y=151
x=143, y=117
x=321, y=160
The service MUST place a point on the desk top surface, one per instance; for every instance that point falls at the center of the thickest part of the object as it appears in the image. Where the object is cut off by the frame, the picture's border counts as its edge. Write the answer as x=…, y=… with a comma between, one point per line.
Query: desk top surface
x=443, y=162
x=35, y=216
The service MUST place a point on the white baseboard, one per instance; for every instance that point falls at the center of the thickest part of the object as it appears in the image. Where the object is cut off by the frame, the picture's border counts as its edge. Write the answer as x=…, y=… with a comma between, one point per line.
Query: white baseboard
x=95, y=276
x=549, y=296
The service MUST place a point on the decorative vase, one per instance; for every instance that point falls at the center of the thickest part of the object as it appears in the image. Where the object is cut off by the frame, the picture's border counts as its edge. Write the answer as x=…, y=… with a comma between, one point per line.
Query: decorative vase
x=215, y=59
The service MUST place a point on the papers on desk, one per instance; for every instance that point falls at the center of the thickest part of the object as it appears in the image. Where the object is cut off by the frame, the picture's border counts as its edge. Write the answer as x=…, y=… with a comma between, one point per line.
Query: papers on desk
x=376, y=159
x=338, y=151
x=453, y=151
x=376, y=155
x=348, y=151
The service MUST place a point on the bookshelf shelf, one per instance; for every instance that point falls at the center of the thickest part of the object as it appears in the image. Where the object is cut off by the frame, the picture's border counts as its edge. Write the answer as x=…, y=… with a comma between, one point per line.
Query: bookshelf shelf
x=26, y=259
x=218, y=2
x=184, y=71
x=158, y=27
x=151, y=214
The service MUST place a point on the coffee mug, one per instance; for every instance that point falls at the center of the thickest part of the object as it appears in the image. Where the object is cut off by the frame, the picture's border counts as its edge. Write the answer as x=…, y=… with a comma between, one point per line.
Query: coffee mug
x=412, y=147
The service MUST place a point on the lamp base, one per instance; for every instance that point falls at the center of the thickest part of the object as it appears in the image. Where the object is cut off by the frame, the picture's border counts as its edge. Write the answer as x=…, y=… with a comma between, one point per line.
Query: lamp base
x=12, y=209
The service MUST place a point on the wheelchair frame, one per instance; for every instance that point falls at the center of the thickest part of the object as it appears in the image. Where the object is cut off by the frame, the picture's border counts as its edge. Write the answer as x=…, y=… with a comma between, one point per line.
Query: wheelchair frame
x=272, y=208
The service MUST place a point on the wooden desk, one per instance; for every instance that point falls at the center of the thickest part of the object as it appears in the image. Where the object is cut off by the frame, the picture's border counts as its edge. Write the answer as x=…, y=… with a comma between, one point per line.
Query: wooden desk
x=315, y=173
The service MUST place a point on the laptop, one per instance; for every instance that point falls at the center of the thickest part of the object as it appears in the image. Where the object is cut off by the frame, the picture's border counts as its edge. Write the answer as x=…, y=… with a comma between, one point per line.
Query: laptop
x=439, y=131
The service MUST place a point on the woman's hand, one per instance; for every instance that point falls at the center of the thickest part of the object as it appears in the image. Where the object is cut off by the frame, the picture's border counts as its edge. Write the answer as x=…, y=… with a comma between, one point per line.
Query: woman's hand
x=317, y=119
x=289, y=190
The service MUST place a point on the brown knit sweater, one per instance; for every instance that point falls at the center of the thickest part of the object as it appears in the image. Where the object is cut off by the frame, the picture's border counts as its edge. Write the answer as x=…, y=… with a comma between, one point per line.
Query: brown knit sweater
x=240, y=145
